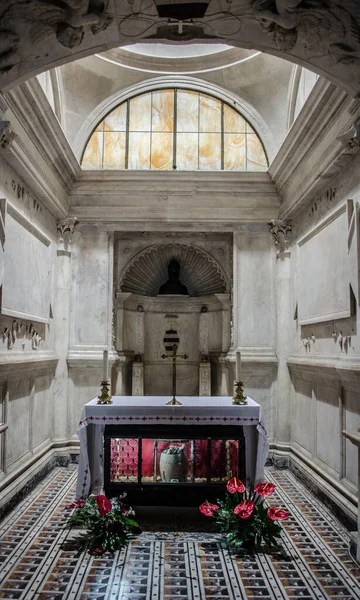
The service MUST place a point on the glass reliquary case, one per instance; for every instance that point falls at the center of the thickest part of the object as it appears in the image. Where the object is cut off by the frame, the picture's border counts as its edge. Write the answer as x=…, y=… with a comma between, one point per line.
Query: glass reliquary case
x=156, y=461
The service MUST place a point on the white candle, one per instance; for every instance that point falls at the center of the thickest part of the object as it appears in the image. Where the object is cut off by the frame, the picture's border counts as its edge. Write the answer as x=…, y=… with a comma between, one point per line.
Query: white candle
x=105, y=366
x=238, y=366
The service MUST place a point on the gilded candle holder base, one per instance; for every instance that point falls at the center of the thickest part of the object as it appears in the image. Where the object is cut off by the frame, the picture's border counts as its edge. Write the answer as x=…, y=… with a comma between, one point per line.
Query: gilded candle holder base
x=173, y=402
x=105, y=397
x=239, y=397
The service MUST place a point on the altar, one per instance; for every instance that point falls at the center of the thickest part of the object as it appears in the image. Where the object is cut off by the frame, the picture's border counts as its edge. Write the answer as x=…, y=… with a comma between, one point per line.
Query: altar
x=140, y=445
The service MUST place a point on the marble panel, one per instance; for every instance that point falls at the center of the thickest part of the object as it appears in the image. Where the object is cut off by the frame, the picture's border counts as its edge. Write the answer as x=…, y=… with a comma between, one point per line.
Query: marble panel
x=323, y=277
x=187, y=151
x=90, y=261
x=29, y=264
x=162, y=151
x=187, y=326
x=18, y=419
x=255, y=155
x=210, y=151
x=85, y=385
x=215, y=330
x=303, y=426
x=114, y=150
x=234, y=152
x=233, y=122
x=210, y=114
x=328, y=434
x=139, y=150
x=93, y=155
x=254, y=281
x=162, y=111
x=158, y=380
x=351, y=423
x=187, y=111
x=140, y=113
x=42, y=411
x=116, y=120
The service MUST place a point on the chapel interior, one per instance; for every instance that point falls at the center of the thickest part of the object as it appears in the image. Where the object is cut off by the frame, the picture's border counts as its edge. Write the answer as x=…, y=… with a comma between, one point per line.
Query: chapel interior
x=187, y=169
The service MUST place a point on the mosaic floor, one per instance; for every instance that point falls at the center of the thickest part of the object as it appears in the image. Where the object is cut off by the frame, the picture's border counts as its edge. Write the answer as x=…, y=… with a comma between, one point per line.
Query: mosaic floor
x=167, y=565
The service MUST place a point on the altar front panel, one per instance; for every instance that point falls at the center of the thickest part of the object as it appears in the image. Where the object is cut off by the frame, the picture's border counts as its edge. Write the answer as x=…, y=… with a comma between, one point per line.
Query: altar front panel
x=152, y=412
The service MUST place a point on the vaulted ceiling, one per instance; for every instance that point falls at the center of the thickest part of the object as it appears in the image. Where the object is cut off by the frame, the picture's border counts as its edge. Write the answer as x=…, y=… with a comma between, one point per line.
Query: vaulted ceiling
x=322, y=35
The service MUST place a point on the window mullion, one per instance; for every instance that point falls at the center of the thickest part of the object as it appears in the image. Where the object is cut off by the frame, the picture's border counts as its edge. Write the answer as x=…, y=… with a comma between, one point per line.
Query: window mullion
x=175, y=129
x=127, y=134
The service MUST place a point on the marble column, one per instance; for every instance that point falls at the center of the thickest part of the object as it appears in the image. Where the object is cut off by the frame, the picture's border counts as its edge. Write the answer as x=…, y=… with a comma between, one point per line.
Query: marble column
x=354, y=437
x=283, y=274
x=138, y=364
x=65, y=229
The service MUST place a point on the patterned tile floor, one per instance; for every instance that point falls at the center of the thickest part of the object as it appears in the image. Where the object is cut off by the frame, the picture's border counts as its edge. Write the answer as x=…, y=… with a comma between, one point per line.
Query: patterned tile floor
x=163, y=565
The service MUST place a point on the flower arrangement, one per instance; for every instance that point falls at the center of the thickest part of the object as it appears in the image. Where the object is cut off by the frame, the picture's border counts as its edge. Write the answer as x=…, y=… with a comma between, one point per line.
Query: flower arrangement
x=108, y=523
x=244, y=518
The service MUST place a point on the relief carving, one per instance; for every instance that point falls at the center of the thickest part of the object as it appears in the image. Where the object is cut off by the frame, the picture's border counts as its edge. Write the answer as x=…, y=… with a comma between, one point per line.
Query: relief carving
x=22, y=333
x=323, y=27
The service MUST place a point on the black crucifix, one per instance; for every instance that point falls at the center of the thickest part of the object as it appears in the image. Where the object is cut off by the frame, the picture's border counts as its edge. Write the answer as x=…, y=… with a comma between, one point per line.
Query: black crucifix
x=174, y=357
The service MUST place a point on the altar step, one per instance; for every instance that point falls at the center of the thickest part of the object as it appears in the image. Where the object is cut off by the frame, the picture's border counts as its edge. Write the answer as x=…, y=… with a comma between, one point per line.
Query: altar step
x=165, y=564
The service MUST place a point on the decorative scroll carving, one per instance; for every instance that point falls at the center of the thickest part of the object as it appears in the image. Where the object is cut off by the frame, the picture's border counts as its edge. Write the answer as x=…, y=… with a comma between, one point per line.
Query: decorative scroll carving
x=351, y=138
x=280, y=230
x=7, y=134
x=65, y=229
x=147, y=271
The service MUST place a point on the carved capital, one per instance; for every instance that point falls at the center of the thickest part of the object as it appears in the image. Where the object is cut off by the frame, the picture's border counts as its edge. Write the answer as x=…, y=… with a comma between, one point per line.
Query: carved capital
x=7, y=134
x=280, y=231
x=351, y=138
x=65, y=229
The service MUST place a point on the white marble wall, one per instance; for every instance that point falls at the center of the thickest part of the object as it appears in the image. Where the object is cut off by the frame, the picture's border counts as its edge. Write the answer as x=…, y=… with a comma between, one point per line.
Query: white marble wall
x=27, y=357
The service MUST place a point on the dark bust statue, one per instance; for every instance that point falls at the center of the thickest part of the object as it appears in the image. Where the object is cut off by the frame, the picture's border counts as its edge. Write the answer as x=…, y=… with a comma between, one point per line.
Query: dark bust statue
x=173, y=285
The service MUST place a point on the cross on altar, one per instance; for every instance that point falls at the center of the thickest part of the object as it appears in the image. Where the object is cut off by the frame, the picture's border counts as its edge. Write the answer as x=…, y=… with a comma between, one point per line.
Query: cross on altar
x=174, y=357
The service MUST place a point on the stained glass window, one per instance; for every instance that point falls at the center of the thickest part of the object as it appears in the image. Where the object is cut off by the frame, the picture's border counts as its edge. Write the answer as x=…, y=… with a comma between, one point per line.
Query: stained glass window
x=175, y=129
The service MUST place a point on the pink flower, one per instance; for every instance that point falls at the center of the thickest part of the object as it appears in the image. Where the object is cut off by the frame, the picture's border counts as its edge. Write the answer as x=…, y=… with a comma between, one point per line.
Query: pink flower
x=78, y=504
x=245, y=509
x=235, y=485
x=265, y=489
x=104, y=504
x=208, y=509
x=277, y=514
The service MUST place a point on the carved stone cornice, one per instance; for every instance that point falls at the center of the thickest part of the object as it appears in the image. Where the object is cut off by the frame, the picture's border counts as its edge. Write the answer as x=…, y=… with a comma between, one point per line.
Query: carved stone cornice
x=65, y=229
x=312, y=151
x=280, y=231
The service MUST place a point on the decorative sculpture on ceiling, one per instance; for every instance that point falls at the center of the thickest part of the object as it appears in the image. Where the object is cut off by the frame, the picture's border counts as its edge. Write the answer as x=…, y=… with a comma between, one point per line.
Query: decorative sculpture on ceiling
x=35, y=21
x=323, y=26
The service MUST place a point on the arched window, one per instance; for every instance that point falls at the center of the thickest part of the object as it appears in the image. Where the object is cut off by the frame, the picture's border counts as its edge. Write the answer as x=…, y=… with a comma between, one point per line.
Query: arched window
x=175, y=129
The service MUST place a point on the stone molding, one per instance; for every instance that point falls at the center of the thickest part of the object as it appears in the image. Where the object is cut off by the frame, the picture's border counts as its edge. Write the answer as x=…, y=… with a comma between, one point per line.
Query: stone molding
x=312, y=151
x=19, y=364
x=40, y=151
x=221, y=201
x=192, y=83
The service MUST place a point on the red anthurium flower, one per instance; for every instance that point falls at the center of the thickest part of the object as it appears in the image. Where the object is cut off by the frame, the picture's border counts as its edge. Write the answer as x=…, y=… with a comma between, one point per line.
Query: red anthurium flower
x=208, y=509
x=235, y=485
x=104, y=504
x=78, y=504
x=245, y=509
x=265, y=489
x=277, y=514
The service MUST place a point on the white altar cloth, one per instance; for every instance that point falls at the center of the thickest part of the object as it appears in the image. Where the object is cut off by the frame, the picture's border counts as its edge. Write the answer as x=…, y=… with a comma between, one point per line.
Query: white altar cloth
x=194, y=410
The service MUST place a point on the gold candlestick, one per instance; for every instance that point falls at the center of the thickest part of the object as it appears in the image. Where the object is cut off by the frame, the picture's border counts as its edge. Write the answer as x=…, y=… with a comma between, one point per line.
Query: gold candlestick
x=105, y=397
x=239, y=397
